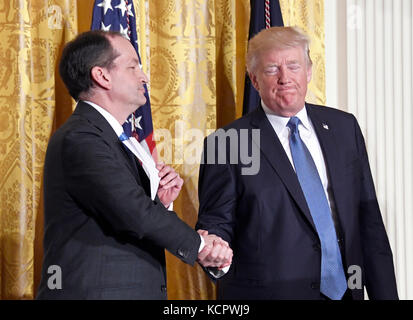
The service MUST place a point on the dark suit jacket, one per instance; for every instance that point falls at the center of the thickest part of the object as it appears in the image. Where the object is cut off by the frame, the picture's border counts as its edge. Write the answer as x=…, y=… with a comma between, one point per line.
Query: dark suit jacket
x=101, y=226
x=266, y=220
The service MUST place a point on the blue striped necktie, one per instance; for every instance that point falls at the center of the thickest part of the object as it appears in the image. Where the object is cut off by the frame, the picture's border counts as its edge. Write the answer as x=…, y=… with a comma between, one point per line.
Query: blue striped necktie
x=123, y=137
x=333, y=280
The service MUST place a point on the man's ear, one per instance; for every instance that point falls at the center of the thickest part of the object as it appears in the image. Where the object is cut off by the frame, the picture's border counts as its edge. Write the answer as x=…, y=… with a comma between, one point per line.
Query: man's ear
x=254, y=81
x=101, y=76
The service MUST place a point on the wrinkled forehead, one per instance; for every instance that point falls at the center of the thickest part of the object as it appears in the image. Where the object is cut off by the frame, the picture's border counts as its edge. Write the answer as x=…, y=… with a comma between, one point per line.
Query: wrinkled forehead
x=281, y=55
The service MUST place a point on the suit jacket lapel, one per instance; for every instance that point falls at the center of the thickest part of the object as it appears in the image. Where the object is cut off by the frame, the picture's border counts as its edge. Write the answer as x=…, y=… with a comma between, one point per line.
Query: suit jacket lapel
x=274, y=153
x=333, y=156
x=328, y=143
x=108, y=134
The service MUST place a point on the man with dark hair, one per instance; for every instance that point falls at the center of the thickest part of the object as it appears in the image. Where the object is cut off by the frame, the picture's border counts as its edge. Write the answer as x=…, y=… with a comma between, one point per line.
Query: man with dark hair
x=90, y=49
x=308, y=219
x=107, y=221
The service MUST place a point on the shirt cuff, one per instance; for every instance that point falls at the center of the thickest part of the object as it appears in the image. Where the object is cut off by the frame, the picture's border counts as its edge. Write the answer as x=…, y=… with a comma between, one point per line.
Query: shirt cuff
x=202, y=245
x=216, y=273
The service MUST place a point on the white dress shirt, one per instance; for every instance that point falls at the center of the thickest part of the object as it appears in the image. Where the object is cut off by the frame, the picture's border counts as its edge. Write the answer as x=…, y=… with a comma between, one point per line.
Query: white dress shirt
x=309, y=137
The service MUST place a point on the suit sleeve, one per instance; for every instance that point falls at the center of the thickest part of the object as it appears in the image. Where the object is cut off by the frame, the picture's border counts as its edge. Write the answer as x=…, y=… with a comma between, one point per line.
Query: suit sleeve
x=101, y=183
x=217, y=193
x=378, y=259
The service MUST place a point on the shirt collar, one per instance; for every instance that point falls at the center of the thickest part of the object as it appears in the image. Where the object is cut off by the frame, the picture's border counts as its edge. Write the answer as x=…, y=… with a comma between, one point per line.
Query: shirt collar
x=116, y=126
x=280, y=123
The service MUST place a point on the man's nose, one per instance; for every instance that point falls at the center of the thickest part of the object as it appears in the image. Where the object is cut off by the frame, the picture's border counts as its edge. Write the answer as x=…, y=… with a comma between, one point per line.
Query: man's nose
x=283, y=76
x=142, y=77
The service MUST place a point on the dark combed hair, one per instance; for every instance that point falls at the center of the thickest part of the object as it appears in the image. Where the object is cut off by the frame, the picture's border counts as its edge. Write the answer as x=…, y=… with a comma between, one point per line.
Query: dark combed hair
x=87, y=50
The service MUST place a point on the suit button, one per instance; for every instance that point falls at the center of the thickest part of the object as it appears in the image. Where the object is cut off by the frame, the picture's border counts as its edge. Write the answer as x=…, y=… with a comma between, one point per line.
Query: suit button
x=182, y=253
x=163, y=288
x=315, y=285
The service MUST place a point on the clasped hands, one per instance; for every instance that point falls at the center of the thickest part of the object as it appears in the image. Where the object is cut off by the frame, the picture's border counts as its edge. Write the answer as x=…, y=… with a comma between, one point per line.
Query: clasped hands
x=216, y=252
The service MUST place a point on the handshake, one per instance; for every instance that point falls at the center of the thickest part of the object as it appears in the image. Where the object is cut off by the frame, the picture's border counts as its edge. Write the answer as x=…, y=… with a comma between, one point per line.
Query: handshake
x=216, y=252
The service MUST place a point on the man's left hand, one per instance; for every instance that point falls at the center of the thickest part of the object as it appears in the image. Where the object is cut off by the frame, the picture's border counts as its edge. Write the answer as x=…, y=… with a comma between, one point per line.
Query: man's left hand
x=170, y=184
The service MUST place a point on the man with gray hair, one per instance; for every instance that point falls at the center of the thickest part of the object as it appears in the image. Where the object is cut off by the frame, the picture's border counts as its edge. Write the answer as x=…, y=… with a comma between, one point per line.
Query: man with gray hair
x=308, y=224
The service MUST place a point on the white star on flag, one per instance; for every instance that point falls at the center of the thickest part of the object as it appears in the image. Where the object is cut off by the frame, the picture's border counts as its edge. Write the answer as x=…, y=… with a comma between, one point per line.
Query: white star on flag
x=106, y=4
x=130, y=10
x=122, y=7
x=124, y=32
x=105, y=28
x=138, y=122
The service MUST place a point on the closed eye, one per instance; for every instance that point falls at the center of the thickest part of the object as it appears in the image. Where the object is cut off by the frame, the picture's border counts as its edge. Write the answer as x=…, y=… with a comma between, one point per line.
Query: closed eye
x=271, y=70
x=294, y=67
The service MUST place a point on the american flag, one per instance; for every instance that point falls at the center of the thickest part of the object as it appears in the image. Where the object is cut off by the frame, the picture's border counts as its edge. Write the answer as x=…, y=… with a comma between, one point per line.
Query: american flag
x=119, y=15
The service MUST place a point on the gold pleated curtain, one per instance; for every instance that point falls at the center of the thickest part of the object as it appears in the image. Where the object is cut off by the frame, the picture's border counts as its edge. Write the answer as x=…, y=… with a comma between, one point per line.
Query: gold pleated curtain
x=194, y=54
x=197, y=51
x=31, y=36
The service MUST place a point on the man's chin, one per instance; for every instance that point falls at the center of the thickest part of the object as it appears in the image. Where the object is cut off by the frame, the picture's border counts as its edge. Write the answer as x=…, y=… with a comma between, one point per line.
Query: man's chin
x=141, y=102
x=287, y=97
x=288, y=102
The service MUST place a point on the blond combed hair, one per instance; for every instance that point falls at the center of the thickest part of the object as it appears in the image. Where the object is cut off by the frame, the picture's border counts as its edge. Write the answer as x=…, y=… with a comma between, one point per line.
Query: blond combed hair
x=276, y=38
